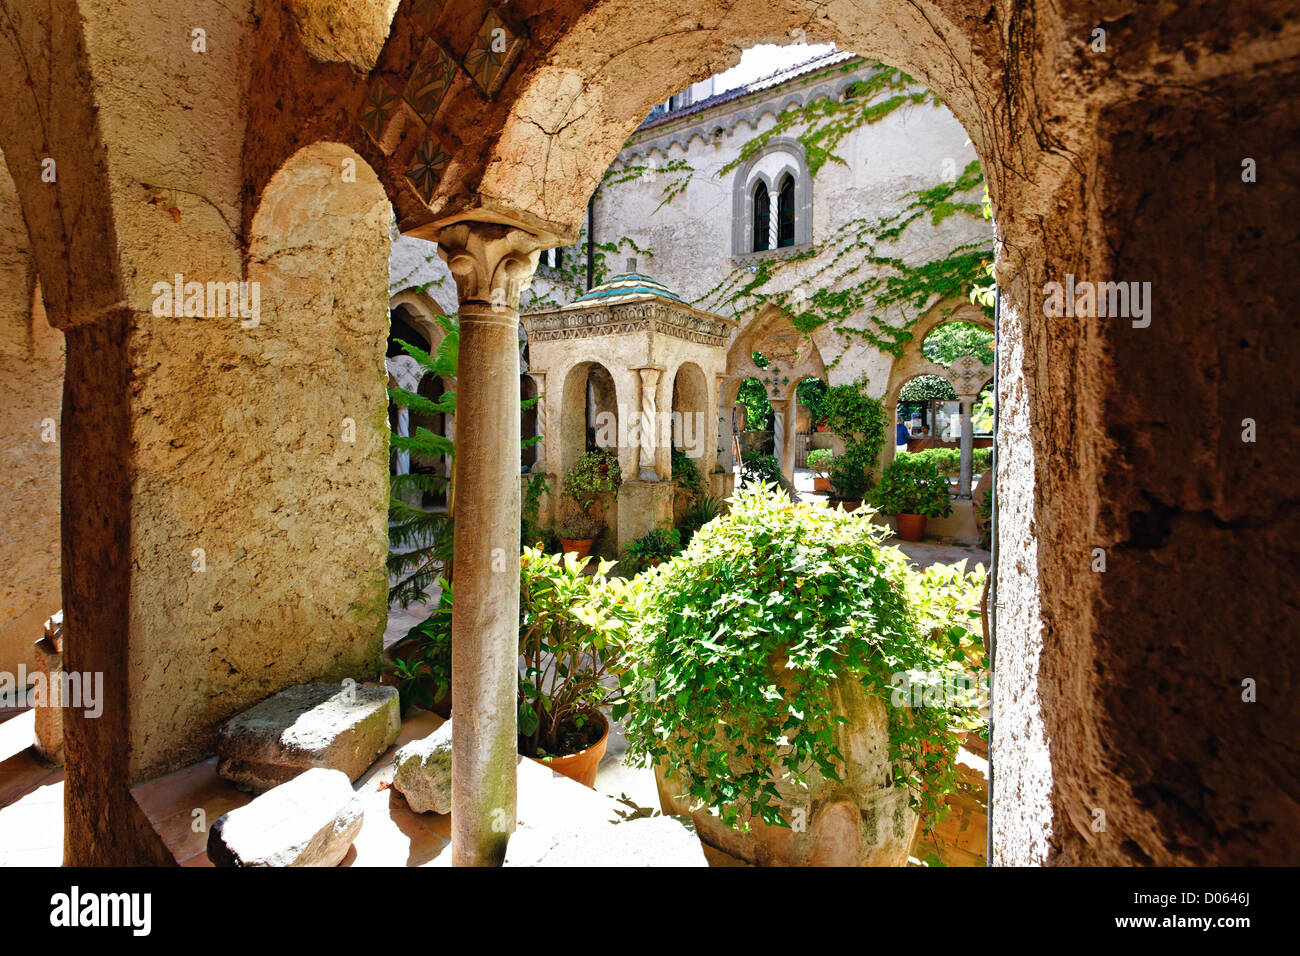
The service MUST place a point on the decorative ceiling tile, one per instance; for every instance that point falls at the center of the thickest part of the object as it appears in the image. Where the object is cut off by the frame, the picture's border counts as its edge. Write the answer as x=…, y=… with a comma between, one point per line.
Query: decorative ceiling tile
x=429, y=81
x=378, y=108
x=426, y=12
x=427, y=166
x=492, y=54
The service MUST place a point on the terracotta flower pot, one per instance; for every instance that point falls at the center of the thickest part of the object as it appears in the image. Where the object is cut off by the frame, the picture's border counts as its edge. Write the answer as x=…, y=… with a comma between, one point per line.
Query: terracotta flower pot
x=911, y=527
x=580, y=546
x=848, y=504
x=581, y=766
x=821, y=483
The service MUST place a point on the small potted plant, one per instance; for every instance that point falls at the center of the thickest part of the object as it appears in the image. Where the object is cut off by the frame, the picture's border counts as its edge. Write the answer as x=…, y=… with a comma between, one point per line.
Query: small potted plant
x=572, y=630
x=651, y=549
x=913, y=489
x=577, y=531
x=819, y=462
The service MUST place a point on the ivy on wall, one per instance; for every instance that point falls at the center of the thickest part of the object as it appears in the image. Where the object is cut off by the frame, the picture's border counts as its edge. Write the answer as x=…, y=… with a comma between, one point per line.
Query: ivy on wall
x=853, y=281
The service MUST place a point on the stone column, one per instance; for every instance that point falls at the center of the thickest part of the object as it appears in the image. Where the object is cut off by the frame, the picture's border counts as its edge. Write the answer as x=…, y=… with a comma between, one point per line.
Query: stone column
x=539, y=461
x=967, y=405
x=646, y=470
x=782, y=447
x=491, y=265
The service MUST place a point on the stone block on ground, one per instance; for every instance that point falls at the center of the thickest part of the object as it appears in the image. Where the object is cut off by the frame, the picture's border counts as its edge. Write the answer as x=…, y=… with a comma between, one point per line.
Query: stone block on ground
x=343, y=727
x=645, y=841
x=309, y=821
x=422, y=772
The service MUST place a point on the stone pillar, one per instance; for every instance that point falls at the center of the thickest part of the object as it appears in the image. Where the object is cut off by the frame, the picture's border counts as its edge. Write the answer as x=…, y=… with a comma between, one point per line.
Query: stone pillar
x=539, y=460
x=491, y=265
x=647, y=427
x=782, y=446
x=967, y=406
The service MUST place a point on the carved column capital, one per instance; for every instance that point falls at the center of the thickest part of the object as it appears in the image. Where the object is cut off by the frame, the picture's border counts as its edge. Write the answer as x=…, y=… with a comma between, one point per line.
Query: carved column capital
x=491, y=263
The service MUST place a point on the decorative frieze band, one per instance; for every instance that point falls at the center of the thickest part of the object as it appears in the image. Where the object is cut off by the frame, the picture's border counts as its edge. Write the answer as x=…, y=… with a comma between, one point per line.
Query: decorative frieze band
x=622, y=319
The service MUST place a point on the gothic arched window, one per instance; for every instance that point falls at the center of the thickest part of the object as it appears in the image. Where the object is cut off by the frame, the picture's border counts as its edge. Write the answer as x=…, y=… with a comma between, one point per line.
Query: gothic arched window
x=762, y=217
x=785, y=213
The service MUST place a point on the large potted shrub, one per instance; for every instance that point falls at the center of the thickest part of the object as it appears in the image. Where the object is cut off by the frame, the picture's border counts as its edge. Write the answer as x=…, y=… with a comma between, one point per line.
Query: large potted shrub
x=848, y=482
x=572, y=628
x=819, y=463
x=912, y=489
x=761, y=672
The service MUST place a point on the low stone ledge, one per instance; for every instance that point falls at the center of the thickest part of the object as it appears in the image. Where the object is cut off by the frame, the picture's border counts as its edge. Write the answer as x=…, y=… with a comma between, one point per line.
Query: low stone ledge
x=344, y=727
x=422, y=772
x=309, y=821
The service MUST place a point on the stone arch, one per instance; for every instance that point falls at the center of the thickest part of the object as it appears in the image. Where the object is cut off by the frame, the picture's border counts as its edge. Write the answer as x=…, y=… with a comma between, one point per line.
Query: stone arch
x=590, y=391
x=691, y=413
x=31, y=398
x=913, y=363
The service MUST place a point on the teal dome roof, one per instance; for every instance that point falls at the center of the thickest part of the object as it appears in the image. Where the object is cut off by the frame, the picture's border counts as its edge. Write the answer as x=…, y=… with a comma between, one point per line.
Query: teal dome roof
x=630, y=285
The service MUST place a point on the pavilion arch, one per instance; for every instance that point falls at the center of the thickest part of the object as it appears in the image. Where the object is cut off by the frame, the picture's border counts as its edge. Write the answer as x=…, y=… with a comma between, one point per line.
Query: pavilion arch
x=692, y=414
x=590, y=390
x=31, y=397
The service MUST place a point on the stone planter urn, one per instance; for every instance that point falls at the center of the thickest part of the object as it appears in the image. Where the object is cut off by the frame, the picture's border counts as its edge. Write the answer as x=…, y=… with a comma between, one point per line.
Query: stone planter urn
x=862, y=820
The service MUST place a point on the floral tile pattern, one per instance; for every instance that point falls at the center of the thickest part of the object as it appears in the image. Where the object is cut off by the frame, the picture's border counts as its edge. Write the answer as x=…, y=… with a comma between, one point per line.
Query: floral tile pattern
x=492, y=54
x=427, y=166
x=430, y=81
x=380, y=105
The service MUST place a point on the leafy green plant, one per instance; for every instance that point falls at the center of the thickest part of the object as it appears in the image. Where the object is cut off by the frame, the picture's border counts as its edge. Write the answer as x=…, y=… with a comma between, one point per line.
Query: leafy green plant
x=912, y=485
x=761, y=468
x=421, y=662
x=737, y=645
x=819, y=461
x=687, y=475
x=860, y=421
x=420, y=542
x=595, y=473
x=658, y=544
x=530, y=529
x=572, y=628
x=578, y=526
x=848, y=480
x=703, y=510
x=758, y=410
x=984, y=511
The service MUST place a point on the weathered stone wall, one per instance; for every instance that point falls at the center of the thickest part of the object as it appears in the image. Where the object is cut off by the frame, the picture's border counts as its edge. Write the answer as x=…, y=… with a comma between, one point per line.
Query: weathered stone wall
x=31, y=396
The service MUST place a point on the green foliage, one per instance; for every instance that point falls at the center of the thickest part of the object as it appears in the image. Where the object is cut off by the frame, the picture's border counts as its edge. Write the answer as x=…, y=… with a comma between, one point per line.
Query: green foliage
x=595, y=473
x=860, y=420
x=740, y=640
x=422, y=659
x=819, y=461
x=687, y=475
x=912, y=485
x=984, y=511
x=659, y=543
x=947, y=461
x=761, y=469
x=572, y=627
x=952, y=340
x=700, y=512
x=758, y=410
x=811, y=393
x=578, y=526
x=530, y=529
x=419, y=541
x=925, y=387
